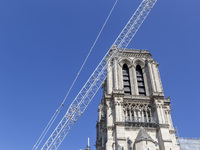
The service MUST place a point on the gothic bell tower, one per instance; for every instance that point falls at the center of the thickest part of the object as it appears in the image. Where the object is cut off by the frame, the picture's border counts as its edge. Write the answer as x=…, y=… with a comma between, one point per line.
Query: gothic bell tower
x=133, y=113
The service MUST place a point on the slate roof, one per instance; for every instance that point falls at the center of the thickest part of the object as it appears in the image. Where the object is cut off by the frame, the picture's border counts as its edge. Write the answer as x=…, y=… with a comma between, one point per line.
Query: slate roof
x=143, y=136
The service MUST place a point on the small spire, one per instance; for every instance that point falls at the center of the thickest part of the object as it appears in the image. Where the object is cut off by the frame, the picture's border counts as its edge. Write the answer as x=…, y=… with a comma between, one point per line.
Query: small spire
x=143, y=136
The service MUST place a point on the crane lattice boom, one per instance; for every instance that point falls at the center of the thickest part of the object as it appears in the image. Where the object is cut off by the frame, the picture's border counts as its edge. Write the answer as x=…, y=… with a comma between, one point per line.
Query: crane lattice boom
x=94, y=82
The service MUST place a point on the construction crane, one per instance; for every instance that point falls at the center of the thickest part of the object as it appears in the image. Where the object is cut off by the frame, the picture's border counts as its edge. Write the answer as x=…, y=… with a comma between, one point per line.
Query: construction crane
x=88, y=91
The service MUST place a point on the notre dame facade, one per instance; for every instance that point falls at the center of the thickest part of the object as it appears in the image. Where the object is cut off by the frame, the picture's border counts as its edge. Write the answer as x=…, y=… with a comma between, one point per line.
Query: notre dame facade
x=134, y=113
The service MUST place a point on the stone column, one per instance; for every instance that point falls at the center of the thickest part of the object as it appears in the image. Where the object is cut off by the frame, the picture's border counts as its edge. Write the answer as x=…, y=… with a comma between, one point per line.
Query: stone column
x=142, y=116
x=126, y=115
x=163, y=115
x=157, y=77
x=109, y=78
x=132, y=80
x=118, y=108
x=120, y=78
x=158, y=113
x=120, y=111
x=130, y=115
x=115, y=74
x=139, y=116
x=170, y=119
x=109, y=116
x=147, y=117
x=135, y=116
x=135, y=85
x=145, y=81
x=151, y=77
x=109, y=143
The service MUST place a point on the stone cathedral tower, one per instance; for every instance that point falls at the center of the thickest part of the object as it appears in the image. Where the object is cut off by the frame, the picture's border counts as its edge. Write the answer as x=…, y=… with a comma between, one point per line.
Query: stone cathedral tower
x=133, y=113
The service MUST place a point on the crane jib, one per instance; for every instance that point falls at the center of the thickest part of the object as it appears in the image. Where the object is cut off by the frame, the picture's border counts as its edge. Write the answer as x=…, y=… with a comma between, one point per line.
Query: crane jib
x=94, y=82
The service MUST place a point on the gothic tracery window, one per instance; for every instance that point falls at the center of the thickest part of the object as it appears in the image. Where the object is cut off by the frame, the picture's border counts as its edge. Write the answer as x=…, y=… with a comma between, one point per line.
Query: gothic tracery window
x=126, y=80
x=140, y=81
x=137, y=112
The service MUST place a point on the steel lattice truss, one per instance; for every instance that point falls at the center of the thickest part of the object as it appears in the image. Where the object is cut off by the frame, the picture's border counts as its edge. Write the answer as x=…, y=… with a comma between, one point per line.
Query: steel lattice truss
x=92, y=85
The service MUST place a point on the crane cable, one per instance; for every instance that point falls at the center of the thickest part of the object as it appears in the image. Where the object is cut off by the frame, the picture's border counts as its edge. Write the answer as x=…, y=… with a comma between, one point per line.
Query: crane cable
x=89, y=52
x=62, y=104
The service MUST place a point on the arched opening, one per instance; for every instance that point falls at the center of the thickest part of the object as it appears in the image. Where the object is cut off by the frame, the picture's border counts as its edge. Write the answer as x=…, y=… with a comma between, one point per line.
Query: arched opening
x=126, y=80
x=140, y=81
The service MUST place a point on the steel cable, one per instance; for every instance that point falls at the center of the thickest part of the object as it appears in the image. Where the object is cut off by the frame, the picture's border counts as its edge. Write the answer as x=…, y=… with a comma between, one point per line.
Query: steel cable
x=59, y=108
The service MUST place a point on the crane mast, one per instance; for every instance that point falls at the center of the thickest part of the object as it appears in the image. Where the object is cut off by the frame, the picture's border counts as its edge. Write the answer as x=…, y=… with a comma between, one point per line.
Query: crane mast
x=94, y=82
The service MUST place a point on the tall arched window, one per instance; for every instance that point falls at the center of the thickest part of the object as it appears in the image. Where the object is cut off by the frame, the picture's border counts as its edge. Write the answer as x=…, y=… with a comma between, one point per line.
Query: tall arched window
x=126, y=80
x=140, y=81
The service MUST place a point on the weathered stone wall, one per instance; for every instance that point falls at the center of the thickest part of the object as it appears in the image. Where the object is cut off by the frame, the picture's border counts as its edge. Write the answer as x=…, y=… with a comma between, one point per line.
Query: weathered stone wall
x=139, y=118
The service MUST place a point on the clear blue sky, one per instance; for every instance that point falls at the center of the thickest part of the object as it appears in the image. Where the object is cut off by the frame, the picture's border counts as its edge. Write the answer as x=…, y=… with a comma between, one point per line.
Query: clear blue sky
x=44, y=42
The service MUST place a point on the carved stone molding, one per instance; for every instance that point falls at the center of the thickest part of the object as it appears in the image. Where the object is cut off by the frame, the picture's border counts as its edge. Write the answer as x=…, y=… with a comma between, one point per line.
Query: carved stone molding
x=136, y=128
x=172, y=131
x=158, y=95
x=137, y=105
x=137, y=55
x=140, y=62
x=119, y=123
x=141, y=124
x=163, y=125
x=125, y=60
x=167, y=141
x=121, y=139
x=155, y=63
x=137, y=97
x=108, y=96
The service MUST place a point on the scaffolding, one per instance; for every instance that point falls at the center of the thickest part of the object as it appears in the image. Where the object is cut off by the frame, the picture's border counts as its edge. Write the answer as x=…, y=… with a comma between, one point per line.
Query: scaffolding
x=189, y=143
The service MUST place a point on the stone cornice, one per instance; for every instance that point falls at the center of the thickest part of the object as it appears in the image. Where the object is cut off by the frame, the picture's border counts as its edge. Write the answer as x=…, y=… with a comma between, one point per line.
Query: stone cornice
x=158, y=95
x=172, y=131
x=108, y=96
x=163, y=125
x=136, y=97
x=137, y=55
x=147, y=102
x=167, y=101
x=118, y=93
x=167, y=141
x=121, y=138
x=119, y=123
x=131, y=128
